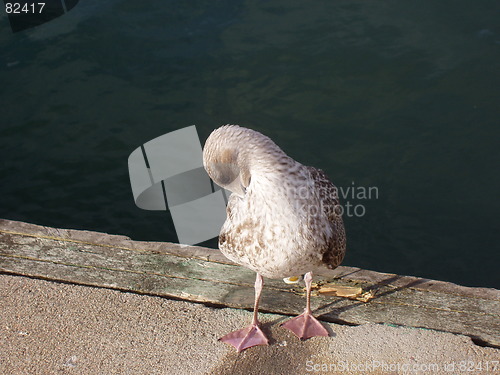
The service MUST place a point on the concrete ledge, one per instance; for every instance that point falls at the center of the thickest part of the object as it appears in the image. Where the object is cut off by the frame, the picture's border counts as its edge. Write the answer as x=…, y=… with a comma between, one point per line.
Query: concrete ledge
x=54, y=328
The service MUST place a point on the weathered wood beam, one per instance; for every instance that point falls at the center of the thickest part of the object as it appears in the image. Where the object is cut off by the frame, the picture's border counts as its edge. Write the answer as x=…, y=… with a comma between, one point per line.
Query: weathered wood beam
x=205, y=275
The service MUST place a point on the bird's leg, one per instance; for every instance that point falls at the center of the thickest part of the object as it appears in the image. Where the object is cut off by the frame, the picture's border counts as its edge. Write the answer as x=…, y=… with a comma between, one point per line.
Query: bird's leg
x=305, y=325
x=251, y=335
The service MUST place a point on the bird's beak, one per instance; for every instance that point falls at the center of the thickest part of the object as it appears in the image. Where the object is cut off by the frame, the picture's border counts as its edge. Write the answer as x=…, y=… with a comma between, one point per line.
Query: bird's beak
x=236, y=187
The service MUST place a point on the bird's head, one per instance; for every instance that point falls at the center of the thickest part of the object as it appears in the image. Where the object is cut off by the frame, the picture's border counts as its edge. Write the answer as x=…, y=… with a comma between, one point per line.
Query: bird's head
x=225, y=162
x=234, y=155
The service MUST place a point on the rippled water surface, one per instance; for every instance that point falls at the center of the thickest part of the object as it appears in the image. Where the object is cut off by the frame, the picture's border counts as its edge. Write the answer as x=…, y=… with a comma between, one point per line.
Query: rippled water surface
x=399, y=96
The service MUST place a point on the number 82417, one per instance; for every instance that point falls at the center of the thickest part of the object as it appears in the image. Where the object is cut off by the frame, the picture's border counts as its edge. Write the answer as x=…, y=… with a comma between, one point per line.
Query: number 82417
x=19, y=8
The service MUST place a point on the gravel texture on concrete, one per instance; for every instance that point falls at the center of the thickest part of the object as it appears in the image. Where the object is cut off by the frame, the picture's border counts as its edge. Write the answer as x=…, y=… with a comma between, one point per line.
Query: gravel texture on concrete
x=56, y=328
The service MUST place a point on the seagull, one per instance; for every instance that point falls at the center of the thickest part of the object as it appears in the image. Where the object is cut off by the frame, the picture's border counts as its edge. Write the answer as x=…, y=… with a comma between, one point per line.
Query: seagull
x=283, y=220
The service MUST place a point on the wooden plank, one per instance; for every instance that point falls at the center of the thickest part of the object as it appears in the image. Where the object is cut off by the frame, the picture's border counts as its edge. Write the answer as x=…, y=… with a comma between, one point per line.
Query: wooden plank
x=343, y=272
x=183, y=272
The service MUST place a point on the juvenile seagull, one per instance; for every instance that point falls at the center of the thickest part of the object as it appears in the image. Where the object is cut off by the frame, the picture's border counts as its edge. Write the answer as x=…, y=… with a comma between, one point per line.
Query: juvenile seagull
x=283, y=220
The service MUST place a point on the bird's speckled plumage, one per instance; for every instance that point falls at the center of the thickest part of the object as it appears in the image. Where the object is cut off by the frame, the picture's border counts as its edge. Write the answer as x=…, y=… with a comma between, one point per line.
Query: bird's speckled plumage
x=283, y=218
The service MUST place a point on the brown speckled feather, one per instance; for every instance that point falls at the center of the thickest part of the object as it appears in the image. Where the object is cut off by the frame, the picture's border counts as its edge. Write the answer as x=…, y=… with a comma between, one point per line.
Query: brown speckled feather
x=328, y=194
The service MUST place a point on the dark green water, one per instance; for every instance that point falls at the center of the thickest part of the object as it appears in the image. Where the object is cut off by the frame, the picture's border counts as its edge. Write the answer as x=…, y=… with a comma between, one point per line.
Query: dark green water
x=402, y=96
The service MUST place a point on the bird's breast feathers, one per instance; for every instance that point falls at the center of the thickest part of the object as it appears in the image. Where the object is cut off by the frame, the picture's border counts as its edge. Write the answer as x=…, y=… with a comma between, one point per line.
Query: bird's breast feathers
x=275, y=228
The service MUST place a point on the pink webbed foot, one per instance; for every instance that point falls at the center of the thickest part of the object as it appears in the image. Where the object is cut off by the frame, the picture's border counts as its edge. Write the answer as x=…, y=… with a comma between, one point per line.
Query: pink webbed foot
x=305, y=326
x=245, y=338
